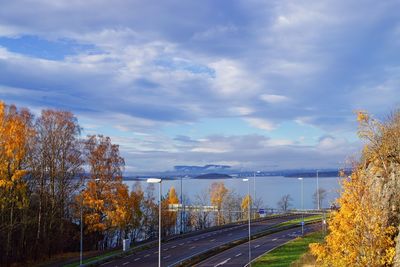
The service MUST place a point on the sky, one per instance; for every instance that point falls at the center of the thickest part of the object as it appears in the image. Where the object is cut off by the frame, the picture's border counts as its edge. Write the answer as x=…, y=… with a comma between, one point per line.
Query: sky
x=260, y=85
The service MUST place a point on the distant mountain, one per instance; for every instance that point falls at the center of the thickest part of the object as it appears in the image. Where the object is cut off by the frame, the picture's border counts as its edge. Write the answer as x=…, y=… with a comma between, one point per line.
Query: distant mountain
x=201, y=169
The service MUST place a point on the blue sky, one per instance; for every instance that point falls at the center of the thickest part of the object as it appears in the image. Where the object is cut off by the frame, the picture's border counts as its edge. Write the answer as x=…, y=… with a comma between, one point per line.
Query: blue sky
x=252, y=84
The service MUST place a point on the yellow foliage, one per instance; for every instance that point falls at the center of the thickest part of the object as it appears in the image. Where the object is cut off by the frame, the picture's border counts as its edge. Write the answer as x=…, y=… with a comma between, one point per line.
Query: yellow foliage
x=360, y=231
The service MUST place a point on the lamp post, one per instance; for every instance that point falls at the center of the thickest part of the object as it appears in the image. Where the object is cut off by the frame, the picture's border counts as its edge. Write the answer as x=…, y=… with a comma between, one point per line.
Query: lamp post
x=181, y=209
x=254, y=189
x=318, y=207
x=81, y=243
x=302, y=207
x=158, y=181
x=248, y=211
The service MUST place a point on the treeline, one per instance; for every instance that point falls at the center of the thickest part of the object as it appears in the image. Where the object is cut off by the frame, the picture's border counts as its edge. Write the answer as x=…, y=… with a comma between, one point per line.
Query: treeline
x=50, y=177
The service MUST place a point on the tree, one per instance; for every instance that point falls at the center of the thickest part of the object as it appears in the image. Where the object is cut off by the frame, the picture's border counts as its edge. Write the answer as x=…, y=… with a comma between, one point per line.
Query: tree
x=319, y=197
x=285, y=202
x=246, y=203
x=218, y=193
x=15, y=132
x=231, y=207
x=363, y=229
x=201, y=217
x=102, y=207
x=55, y=162
x=169, y=217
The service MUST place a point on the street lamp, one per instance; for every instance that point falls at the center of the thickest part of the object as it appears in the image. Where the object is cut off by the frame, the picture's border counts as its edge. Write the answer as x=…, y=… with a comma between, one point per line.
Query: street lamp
x=318, y=191
x=302, y=207
x=254, y=189
x=81, y=249
x=248, y=211
x=158, y=181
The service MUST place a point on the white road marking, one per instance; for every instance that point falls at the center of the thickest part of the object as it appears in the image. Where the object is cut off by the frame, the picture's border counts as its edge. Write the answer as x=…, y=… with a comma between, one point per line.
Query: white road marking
x=196, y=239
x=166, y=257
x=237, y=255
x=222, y=262
x=165, y=249
x=192, y=247
x=146, y=255
x=155, y=252
x=173, y=247
x=274, y=239
x=136, y=259
x=256, y=246
x=212, y=240
x=125, y=263
x=181, y=244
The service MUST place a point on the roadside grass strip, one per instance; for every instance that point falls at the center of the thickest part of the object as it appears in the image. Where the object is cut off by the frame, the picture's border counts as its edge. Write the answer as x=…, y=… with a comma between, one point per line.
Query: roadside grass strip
x=286, y=254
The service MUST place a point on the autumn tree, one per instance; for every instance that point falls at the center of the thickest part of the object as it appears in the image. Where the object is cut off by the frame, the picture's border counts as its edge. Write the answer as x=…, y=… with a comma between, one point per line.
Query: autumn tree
x=103, y=210
x=169, y=217
x=15, y=132
x=218, y=193
x=285, y=202
x=246, y=206
x=363, y=230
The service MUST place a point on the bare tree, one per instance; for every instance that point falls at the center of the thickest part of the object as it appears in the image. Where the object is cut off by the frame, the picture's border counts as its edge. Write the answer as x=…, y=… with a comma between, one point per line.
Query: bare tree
x=322, y=195
x=201, y=217
x=285, y=202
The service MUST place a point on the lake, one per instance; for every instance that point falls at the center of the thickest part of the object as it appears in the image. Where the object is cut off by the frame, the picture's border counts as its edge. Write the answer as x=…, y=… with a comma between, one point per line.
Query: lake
x=270, y=188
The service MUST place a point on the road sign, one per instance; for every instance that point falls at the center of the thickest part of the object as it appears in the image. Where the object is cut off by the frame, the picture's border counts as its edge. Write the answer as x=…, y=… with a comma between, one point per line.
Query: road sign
x=261, y=211
x=302, y=223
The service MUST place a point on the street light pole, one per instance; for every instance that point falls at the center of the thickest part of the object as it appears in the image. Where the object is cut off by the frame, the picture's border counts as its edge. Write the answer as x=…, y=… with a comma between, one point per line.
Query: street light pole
x=181, y=209
x=158, y=181
x=249, y=219
x=254, y=191
x=302, y=207
x=318, y=191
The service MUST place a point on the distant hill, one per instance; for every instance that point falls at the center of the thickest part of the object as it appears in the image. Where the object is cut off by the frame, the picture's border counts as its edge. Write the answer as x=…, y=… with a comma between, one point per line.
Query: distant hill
x=201, y=169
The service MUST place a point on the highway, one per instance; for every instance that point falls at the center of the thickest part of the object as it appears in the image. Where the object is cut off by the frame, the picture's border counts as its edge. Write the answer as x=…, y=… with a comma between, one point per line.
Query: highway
x=238, y=256
x=174, y=251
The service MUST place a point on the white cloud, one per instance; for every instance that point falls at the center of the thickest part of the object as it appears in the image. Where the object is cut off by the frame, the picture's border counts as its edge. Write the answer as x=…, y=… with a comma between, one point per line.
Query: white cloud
x=261, y=123
x=274, y=99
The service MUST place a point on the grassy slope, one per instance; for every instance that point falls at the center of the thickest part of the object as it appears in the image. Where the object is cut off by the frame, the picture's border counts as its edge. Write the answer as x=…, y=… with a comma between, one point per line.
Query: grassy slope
x=291, y=251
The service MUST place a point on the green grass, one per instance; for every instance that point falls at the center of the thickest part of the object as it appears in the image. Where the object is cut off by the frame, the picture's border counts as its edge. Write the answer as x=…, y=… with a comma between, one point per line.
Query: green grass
x=288, y=253
x=298, y=221
x=102, y=256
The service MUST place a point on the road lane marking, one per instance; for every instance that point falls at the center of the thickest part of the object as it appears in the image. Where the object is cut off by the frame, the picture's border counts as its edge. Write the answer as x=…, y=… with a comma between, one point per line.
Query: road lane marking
x=212, y=240
x=166, y=257
x=173, y=247
x=274, y=239
x=146, y=255
x=136, y=259
x=165, y=249
x=192, y=247
x=155, y=252
x=222, y=262
x=181, y=244
x=125, y=263
x=237, y=255
x=256, y=246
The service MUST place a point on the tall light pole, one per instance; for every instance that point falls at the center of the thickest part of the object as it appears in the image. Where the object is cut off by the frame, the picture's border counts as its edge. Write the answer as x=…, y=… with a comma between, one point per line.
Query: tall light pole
x=254, y=189
x=302, y=207
x=158, y=181
x=248, y=211
x=181, y=209
x=318, y=191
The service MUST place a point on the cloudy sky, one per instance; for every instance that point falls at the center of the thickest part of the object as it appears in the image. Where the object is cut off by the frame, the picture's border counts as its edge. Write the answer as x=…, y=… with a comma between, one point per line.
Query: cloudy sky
x=252, y=84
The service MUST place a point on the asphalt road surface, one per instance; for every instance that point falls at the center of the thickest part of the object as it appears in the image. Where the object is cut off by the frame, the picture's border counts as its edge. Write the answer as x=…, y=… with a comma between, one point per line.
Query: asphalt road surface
x=239, y=255
x=177, y=250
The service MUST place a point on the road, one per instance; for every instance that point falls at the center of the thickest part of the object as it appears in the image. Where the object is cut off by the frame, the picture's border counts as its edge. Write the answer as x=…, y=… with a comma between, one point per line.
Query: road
x=177, y=250
x=238, y=256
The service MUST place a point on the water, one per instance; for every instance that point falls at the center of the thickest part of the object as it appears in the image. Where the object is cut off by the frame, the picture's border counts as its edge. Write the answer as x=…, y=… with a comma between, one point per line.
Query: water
x=270, y=189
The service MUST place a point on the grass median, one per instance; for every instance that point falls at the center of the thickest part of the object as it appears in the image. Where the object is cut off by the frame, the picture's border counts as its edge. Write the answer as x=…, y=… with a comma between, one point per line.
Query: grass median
x=285, y=255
